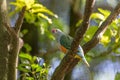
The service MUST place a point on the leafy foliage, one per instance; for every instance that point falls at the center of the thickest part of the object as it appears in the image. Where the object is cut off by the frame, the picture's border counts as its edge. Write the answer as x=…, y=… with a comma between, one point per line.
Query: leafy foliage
x=111, y=38
x=112, y=31
x=34, y=10
x=32, y=68
x=38, y=15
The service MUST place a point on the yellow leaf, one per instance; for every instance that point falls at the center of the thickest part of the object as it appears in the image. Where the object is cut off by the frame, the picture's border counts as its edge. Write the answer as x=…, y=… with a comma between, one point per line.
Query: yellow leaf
x=29, y=3
x=117, y=40
x=105, y=40
x=98, y=16
x=45, y=17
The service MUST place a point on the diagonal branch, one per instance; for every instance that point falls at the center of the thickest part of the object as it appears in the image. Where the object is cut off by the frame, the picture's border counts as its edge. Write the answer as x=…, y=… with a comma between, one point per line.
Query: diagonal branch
x=97, y=36
x=84, y=26
x=106, y=52
x=109, y=50
x=20, y=20
x=69, y=61
x=10, y=30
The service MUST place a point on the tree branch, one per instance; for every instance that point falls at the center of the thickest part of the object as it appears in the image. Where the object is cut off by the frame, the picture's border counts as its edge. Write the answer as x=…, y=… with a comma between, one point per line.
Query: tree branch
x=106, y=52
x=10, y=30
x=4, y=40
x=20, y=20
x=97, y=36
x=15, y=45
x=69, y=61
x=84, y=26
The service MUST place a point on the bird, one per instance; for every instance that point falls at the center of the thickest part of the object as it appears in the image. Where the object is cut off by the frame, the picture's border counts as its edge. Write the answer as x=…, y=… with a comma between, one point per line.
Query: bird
x=64, y=43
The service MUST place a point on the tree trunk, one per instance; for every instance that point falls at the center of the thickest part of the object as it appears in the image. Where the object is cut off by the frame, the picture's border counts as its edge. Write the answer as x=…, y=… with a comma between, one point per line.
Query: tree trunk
x=13, y=58
x=4, y=41
x=10, y=43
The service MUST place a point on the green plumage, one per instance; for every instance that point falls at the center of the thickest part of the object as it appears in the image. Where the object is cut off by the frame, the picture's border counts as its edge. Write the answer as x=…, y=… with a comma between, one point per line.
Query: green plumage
x=66, y=41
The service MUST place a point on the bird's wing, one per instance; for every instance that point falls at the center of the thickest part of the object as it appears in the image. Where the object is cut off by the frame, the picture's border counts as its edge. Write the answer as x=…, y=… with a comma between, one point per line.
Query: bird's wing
x=66, y=41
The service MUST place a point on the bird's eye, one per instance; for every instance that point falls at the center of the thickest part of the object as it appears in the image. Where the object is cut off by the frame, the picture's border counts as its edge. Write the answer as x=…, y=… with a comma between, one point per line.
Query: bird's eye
x=56, y=30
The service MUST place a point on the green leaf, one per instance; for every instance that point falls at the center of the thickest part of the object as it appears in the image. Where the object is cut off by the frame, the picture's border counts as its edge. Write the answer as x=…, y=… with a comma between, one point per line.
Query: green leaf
x=27, y=47
x=106, y=38
x=30, y=18
x=23, y=68
x=34, y=66
x=29, y=78
x=114, y=24
x=108, y=32
x=25, y=31
x=34, y=58
x=25, y=56
x=43, y=71
x=39, y=69
x=106, y=13
x=97, y=16
x=24, y=65
x=90, y=32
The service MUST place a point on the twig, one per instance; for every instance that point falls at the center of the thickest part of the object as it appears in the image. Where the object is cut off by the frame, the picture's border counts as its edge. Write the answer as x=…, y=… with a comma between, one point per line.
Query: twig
x=97, y=36
x=20, y=20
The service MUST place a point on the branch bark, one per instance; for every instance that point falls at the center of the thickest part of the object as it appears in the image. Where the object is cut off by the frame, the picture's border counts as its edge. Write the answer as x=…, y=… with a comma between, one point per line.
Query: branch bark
x=15, y=46
x=69, y=61
x=84, y=26
x=20, y=20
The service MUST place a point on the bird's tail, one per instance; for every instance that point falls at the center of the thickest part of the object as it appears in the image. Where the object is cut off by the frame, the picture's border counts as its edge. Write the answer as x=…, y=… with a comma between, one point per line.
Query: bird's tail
x=85, y=61
x=81, y=55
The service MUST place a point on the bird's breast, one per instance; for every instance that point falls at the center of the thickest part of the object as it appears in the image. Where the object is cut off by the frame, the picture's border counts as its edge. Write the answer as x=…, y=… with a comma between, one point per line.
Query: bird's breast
x=63, y=49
